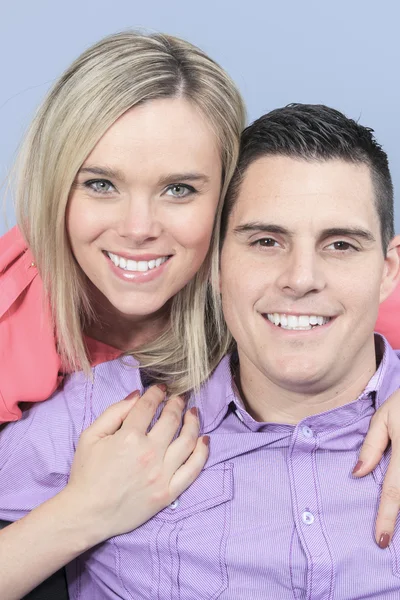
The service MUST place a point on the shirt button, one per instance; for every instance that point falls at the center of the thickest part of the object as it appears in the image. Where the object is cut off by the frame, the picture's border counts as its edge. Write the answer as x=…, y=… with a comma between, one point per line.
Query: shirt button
x=308, y=518
x=307, y=432
x=174, y=504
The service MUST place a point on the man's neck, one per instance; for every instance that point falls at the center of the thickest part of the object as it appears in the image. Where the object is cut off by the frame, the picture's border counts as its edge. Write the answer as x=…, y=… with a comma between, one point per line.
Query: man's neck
x=271, y=402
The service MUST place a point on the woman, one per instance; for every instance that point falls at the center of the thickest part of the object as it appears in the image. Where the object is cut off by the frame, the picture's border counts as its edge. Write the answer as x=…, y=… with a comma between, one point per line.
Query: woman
x=137, y=142
x=123, y=172
x=174, y=167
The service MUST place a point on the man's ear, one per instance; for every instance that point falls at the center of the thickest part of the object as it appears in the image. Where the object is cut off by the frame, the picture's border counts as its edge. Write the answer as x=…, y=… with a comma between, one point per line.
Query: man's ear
x=391, y=273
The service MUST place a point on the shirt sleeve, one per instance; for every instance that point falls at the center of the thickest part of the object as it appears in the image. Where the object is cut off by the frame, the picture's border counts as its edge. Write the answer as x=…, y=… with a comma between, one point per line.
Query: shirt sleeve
x=36, y=452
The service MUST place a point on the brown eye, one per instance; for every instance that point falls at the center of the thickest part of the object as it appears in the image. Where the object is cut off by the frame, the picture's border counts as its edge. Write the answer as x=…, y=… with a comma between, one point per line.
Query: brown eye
x=266, y=242
x=341, y=246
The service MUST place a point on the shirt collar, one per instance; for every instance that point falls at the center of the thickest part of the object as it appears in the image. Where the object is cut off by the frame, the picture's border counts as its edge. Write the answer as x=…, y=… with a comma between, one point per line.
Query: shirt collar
x=217, y=393
x=214, y=396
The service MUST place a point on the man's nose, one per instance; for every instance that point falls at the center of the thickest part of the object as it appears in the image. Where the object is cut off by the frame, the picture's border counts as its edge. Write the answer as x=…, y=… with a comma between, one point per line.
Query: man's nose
x=302, y=273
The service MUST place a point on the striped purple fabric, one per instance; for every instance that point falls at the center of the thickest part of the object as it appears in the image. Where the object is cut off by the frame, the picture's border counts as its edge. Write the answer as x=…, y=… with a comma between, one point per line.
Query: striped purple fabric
x=274, y=515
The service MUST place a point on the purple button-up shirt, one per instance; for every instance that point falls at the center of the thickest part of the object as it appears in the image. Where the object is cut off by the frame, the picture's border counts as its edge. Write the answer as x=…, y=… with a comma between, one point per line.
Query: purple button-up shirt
x=274, y=515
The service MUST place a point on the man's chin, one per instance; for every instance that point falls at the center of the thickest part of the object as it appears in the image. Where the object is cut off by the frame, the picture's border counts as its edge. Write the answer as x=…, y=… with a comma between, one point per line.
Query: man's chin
x=302, y=377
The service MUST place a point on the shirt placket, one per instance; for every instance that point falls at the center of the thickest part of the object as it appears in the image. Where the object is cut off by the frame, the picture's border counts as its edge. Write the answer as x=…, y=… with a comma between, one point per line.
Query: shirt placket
x=308, y=513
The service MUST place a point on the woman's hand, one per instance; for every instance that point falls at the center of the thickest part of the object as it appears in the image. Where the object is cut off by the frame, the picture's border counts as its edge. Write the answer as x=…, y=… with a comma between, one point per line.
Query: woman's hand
x=123, y=474
x=385, y=427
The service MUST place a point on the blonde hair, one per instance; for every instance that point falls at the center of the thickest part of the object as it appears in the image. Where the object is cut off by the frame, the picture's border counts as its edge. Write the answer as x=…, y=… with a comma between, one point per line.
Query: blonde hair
x=108, y=79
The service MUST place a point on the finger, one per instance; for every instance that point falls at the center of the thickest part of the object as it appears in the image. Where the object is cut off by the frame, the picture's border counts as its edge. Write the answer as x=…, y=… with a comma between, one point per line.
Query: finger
x=168, y=423
x=374, y=445
x=112, y=418
x=181, y=448
x=142, y=414
x=390, y=501
x=188, y=473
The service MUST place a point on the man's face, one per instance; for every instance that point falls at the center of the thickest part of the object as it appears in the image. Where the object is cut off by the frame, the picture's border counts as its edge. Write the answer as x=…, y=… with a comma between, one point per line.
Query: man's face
x=303, y=272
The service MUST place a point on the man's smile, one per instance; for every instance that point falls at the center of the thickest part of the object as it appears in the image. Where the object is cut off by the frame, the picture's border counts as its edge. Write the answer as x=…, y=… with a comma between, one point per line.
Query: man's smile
x=297, y=322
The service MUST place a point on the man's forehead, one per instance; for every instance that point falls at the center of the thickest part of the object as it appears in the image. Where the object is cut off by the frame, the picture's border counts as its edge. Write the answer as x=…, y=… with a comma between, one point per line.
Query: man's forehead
x=291, y=187
x=289, y=173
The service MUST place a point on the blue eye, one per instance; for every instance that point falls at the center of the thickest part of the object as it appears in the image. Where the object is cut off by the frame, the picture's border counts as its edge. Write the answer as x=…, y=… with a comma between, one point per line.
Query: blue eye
x=100, y=186
x=180, y=190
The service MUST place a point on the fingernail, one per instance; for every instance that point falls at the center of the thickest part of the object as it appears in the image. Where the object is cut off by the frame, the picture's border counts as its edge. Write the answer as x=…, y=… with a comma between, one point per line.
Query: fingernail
x=133, y=395
x=162, y=387
x=206, y=440
x=384, y=541
x=357, y=467
x=194, y=411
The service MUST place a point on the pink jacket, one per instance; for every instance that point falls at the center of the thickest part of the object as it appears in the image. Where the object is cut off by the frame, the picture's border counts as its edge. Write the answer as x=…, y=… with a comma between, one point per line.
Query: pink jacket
x=388, y=323
x=29, y=362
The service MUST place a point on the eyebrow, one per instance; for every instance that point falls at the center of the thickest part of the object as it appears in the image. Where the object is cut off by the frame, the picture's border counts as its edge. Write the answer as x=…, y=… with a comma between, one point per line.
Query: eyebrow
x=182, y=177
x=258, y=226
x=103, y=172
x=262, y=227
x=165, y=179
x=364, y=234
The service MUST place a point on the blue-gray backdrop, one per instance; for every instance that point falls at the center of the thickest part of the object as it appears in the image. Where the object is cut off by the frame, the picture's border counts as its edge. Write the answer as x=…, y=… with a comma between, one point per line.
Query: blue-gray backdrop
x=344, y=53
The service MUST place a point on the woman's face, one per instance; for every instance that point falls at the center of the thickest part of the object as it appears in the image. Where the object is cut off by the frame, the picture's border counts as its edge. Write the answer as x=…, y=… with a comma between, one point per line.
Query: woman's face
x=141, y=210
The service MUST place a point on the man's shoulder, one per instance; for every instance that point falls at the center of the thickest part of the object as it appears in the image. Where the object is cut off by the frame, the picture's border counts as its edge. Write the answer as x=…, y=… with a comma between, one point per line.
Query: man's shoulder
x=110, y=382
x=216, y=393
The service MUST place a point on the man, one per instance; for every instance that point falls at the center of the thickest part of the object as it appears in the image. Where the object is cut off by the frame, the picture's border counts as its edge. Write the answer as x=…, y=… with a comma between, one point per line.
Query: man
x=307, y=255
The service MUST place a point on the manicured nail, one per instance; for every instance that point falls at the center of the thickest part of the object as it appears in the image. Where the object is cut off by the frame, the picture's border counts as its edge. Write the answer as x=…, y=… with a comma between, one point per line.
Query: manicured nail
x=384, y=541
x=206, y=440
x=358, y=467
x=194, y=411
x=133, y=395
x=162, y=387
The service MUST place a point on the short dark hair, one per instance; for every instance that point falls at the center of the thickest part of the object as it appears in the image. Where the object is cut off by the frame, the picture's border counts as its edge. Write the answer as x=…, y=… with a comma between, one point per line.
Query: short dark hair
x=315, y=132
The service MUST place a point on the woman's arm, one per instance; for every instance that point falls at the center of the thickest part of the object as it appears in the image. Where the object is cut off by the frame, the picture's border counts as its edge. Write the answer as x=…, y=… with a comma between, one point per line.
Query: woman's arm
x=121, y=476
x=384, y=428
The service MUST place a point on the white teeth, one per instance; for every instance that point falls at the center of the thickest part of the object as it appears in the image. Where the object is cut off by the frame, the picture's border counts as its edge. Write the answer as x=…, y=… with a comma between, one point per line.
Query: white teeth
x=132, y=265
x=297, y=323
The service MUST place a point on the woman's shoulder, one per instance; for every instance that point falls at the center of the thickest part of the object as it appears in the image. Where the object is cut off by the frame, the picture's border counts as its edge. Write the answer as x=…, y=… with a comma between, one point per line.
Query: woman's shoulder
x=12, y=245
x=29, y=364
x=388, y=322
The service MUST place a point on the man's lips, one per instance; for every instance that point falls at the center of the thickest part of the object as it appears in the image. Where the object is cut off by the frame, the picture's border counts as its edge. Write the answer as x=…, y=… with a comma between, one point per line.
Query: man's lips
x=297, y=322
